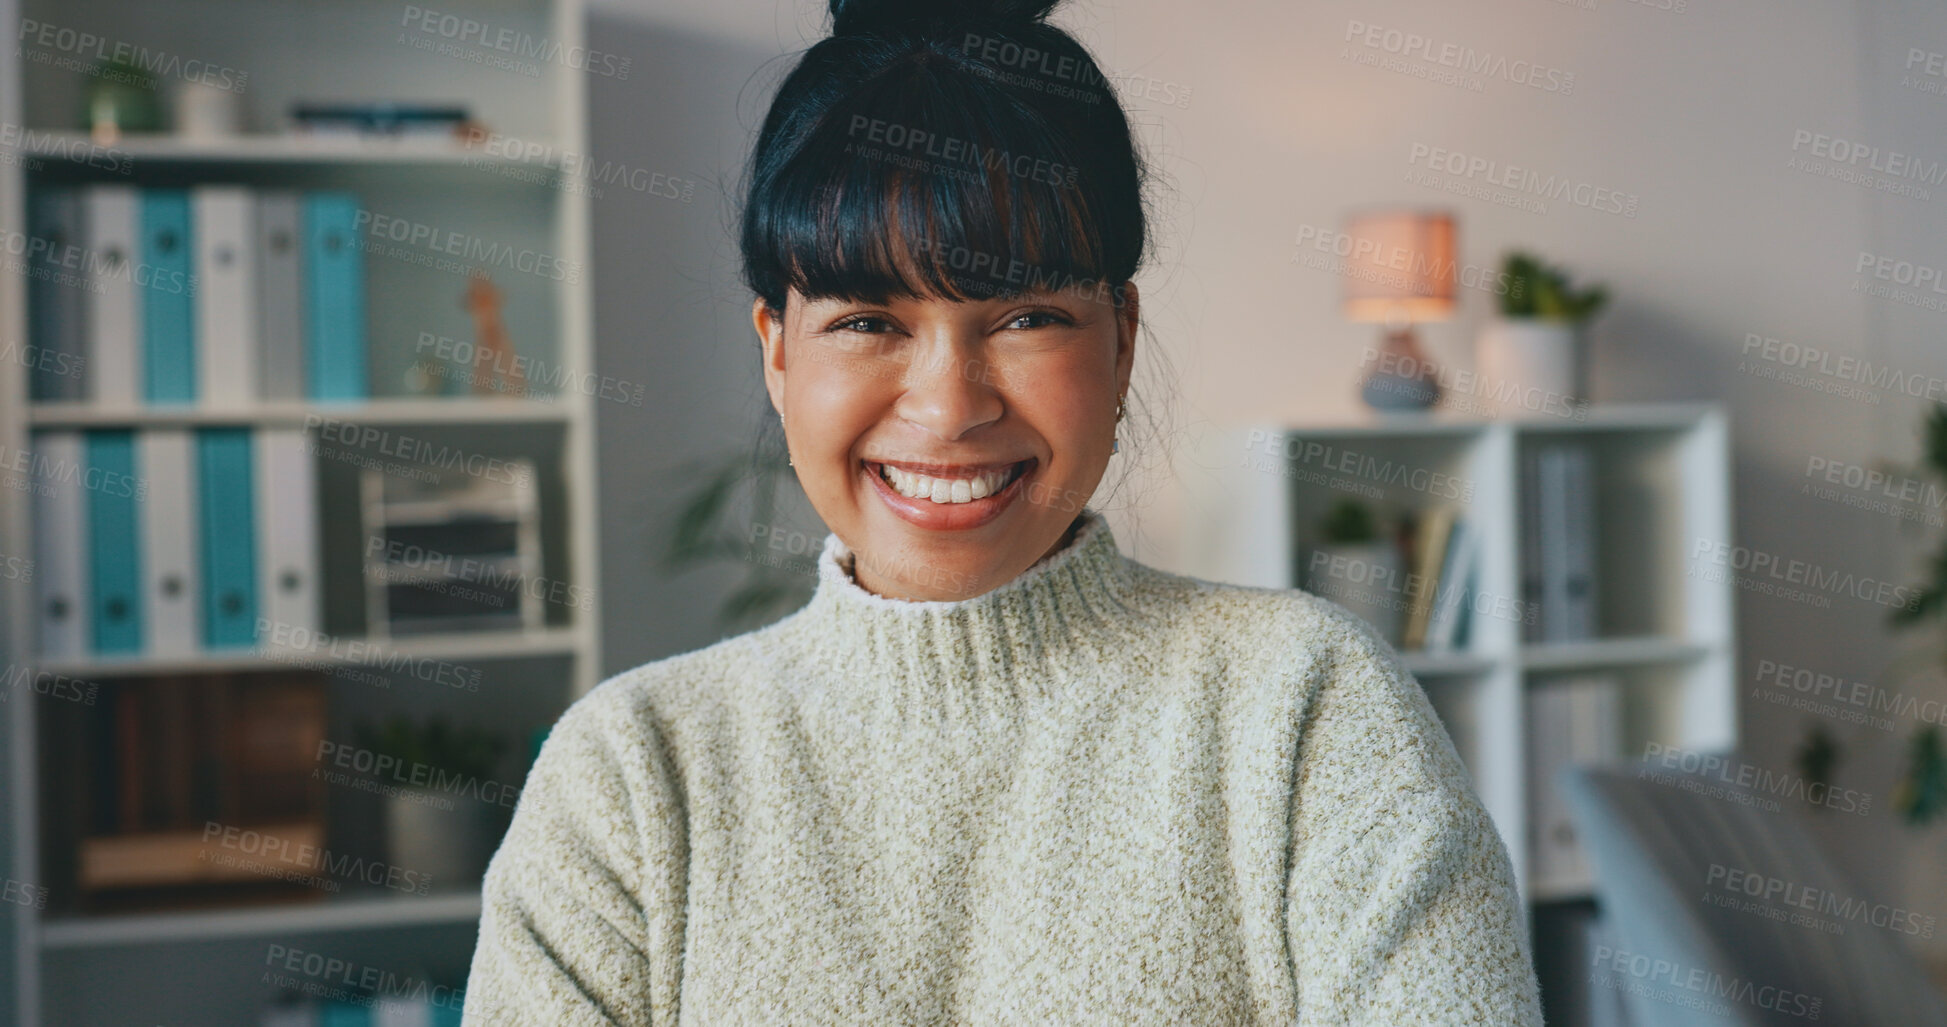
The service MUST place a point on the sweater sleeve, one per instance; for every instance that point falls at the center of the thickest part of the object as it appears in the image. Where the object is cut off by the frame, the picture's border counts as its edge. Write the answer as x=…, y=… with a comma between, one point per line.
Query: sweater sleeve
x=581, y=918
x=1400, y=906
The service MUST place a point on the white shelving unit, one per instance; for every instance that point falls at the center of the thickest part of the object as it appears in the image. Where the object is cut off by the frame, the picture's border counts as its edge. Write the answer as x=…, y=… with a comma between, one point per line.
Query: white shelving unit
x=202, y=965
x=1662, y=481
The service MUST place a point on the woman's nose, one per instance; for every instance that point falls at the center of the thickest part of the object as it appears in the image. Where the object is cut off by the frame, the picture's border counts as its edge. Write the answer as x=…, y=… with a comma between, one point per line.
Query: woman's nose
x=950, y=390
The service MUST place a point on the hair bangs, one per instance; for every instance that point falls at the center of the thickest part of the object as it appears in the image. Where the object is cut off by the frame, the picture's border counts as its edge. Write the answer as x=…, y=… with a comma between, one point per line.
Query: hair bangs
x=924, y=186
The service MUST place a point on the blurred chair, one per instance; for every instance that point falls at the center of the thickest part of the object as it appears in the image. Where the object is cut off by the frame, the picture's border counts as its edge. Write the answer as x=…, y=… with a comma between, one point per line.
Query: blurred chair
x=1670, y=849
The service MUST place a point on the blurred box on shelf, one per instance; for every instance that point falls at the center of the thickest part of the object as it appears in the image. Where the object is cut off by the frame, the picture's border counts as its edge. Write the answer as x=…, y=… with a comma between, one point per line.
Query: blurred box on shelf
x=459, y=553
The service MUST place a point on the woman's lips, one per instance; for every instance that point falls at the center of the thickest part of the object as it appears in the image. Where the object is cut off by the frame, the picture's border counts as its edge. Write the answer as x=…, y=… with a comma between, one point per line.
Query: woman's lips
x=925, y=513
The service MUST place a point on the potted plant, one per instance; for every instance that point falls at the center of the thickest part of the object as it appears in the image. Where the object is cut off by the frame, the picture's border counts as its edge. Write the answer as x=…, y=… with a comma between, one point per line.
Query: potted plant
x=711, y=526
x=1353, y=563
x=121, y=99
x=437, y=822
x=1532, y=356
x=1921, y=793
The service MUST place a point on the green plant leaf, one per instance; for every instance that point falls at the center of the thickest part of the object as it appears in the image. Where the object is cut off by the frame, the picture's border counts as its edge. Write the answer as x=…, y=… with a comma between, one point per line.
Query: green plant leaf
x=1349, y=522
x=1537, y=290
x=1922, y=792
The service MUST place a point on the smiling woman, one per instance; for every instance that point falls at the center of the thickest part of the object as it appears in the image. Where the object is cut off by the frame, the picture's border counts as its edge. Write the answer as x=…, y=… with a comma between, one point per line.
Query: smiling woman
x=994, y=771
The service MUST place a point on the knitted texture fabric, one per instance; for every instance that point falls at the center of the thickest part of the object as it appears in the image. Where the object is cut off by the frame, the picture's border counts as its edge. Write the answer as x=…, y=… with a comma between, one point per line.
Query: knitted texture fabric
x=1099, y=793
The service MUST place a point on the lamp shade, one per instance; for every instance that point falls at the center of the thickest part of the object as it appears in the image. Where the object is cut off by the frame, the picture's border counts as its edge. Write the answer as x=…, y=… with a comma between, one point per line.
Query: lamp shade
x=1401, y=268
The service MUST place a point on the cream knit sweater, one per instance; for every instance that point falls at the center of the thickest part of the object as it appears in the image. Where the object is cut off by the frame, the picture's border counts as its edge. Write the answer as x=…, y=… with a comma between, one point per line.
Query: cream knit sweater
x=1098, y=794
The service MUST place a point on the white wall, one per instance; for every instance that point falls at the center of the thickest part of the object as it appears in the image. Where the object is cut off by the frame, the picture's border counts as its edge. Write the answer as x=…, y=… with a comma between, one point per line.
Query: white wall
x=1693, y=112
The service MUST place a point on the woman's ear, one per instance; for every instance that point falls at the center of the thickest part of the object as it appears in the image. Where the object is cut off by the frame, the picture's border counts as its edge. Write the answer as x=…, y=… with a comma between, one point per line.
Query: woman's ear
x=770, y=340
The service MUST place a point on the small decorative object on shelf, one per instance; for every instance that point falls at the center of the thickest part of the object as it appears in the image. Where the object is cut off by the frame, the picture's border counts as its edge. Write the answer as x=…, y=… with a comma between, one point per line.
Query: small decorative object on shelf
x=121, y=99
x=496, y=370
x=395, y=120
x=1531, y=359
x=207, y=110
x=1400, y=272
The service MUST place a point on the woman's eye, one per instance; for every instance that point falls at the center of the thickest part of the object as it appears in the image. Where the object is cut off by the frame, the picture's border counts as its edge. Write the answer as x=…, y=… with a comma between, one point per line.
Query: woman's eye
x=865, y=324
x=1050, y=316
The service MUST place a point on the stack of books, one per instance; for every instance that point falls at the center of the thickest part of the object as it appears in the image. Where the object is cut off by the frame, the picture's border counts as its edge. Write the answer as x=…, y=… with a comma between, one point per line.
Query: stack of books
x=1441, y=552
x=187, y=782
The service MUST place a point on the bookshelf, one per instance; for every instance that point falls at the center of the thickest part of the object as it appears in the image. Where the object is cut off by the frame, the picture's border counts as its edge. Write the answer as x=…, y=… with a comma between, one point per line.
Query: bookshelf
x=1660, y=481
x=199, y=958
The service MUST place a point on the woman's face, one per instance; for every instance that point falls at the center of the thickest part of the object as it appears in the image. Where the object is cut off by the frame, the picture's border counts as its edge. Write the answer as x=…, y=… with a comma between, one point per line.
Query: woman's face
x=993, y=419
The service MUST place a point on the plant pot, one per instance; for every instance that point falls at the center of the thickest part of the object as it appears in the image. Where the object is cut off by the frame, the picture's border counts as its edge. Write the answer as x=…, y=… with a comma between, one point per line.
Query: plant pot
x=121, y=99
x=449, y=845
x=1364, y=578
x=1531, y=365
x=1924, y=885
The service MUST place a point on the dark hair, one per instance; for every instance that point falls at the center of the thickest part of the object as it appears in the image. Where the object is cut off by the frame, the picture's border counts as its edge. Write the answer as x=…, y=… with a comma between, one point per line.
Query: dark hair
x=954, y=148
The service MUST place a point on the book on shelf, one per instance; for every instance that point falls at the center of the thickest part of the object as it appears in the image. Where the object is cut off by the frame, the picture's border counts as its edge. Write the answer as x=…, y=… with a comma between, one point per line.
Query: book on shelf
x=1559, y=542
x=1438, y=547
x=56, y=295
x=168, y=297
x=1454, y=588
x=177, y=755
x=60, y=549
x=216, y=295
x=1428, y=547
x=112, y=538
x=1572, y=720
x=1578, y=597
x=112, y=216
x=281, y=294
x=226, y=314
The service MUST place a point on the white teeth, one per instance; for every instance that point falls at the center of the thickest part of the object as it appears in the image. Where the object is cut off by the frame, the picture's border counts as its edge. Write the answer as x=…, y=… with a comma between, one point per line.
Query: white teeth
x=945, y=490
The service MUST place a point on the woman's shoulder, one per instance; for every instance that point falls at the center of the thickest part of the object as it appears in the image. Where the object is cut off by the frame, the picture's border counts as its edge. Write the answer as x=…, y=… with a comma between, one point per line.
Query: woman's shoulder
x=1334, y=670
x=1277, y=623
x=662, y=695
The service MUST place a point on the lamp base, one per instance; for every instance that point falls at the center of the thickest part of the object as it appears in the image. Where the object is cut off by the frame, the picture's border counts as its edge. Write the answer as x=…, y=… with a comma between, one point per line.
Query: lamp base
x=1401, y=378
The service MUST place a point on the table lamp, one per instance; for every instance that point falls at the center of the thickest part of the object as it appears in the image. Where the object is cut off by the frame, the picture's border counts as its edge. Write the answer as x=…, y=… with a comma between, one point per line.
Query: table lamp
x=1400, y=273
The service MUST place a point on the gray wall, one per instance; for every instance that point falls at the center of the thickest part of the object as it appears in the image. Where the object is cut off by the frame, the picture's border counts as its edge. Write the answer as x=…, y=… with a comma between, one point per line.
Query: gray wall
x=669, y=314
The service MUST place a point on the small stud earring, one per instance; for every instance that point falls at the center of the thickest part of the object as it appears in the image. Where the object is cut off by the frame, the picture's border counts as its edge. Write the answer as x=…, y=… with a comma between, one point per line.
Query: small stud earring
x=1121, y=408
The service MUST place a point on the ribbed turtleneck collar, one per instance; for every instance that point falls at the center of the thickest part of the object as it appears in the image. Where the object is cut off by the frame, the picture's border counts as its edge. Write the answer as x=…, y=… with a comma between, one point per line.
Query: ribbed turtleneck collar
x=1067, y=613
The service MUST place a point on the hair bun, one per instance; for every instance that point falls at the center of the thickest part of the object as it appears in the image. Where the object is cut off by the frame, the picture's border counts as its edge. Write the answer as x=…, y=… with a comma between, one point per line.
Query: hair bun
x=863, y=17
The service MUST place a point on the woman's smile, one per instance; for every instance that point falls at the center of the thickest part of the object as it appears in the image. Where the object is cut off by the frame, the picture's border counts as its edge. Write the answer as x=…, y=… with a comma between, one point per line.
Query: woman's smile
x=947, y=497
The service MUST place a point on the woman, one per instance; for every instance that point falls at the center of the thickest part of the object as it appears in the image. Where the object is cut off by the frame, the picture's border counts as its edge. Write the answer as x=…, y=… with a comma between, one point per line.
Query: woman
x=994, y=771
